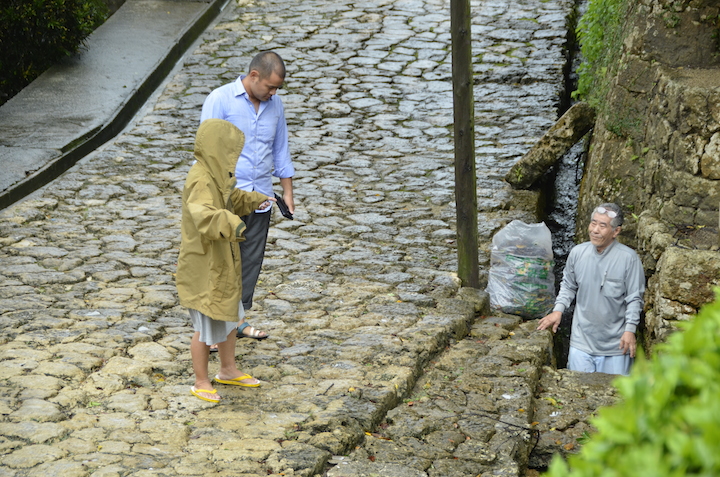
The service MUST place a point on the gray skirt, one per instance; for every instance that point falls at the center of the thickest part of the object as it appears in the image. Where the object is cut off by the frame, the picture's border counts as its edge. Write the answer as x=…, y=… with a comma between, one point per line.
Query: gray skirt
x=213, y=331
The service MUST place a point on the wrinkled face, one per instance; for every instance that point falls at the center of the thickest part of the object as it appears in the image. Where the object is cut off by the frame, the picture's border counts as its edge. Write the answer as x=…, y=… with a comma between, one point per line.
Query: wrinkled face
x=601, y=232
x=263, y=89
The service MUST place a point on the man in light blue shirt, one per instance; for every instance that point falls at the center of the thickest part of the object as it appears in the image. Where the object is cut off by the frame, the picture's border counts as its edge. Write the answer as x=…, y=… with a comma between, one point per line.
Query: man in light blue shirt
x=251, y=104
x=607, y=281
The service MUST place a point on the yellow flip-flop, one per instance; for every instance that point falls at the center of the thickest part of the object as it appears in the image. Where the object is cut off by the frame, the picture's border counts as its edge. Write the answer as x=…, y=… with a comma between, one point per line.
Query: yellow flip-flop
x=237, y=381
x=196, y=393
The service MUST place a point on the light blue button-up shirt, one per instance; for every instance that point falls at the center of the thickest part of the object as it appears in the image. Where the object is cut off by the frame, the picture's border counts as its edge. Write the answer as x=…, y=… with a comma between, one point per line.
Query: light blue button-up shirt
x=266, y=152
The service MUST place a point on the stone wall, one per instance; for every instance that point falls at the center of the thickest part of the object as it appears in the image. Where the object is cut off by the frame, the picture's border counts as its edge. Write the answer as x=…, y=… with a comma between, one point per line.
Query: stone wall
x=656, y=152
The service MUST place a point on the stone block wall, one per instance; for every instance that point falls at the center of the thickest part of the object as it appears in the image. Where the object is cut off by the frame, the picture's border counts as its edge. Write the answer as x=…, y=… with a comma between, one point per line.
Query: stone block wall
x=656, y=152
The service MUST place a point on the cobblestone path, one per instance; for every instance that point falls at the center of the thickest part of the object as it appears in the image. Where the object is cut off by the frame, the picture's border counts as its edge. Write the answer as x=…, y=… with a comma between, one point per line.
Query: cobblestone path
x=378, y=362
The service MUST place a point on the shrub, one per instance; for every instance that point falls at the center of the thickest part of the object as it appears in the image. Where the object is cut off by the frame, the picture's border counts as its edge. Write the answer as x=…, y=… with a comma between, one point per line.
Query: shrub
x=668, y=423
x=35, y=34
x=600, y=32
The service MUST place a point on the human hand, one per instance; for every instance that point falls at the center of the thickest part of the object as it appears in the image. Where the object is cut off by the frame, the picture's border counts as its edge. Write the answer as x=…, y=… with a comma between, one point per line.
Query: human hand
x=553, y=319
x=628, y=343
x=268, y=203
x=288, y=198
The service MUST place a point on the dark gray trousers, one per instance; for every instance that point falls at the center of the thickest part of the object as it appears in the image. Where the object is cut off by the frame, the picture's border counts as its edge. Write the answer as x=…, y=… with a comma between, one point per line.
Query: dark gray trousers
x=252, y=252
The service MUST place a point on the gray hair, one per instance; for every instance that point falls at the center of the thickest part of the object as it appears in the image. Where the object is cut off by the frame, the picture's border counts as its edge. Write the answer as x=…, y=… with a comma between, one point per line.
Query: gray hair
x=266, y=63
x=616, y=221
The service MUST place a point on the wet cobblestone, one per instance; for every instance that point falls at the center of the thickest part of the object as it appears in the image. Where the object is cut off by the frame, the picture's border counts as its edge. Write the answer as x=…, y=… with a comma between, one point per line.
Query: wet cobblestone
x=359, y=293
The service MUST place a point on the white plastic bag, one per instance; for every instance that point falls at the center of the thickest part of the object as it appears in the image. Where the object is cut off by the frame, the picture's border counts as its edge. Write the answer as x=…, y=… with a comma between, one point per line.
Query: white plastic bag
x=521, y=280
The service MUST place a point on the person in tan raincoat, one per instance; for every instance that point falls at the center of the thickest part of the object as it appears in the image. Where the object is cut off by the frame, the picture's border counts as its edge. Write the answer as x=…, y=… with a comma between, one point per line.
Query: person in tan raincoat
x=209, y=271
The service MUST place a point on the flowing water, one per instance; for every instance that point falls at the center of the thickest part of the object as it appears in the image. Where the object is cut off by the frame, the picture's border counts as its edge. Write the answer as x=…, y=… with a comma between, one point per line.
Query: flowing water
x=563, y=187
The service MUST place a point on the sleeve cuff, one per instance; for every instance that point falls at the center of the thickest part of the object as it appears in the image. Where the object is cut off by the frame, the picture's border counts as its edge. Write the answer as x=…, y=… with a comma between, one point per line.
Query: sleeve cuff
x=240, y=229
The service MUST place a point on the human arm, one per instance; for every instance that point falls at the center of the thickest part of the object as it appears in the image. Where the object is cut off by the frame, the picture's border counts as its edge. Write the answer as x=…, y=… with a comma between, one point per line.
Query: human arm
x=635, y=289
x=211, y=221
x=568, y=285
x=635, y=286
x=245, y=202
x=568, y=289
x=287, y=187
x=282, y=163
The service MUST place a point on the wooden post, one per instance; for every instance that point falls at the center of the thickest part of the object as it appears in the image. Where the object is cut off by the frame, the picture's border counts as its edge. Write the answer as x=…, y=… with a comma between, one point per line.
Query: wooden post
x=464, y=114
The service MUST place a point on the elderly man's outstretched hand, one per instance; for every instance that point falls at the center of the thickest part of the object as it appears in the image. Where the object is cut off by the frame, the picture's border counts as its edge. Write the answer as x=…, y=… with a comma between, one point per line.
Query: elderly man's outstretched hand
x=553, y=319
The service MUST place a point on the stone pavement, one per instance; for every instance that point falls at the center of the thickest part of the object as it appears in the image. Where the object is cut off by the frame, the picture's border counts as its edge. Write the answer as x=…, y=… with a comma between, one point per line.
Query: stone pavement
x=378, y=363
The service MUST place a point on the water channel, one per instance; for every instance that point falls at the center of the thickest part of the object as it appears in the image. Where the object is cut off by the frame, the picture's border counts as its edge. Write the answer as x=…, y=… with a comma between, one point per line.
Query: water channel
x=562, y=184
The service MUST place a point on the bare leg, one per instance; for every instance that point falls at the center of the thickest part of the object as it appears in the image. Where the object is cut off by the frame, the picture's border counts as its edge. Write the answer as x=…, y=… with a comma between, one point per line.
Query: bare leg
x=200, y=353
x=228, y=368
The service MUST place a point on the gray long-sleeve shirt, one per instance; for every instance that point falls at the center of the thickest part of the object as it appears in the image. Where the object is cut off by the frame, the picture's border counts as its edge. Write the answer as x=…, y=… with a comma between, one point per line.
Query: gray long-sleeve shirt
x=608, y=288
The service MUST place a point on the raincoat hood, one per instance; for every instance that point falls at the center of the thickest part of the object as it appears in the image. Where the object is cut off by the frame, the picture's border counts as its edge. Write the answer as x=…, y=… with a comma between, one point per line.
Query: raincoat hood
x=218, y=144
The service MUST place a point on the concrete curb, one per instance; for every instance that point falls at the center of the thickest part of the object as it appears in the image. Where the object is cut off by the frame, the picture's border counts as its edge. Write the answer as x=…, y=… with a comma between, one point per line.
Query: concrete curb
x=81, y=146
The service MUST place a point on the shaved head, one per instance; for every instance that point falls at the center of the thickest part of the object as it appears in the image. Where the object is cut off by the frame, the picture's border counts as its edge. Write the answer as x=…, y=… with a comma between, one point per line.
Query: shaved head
x=266, y=63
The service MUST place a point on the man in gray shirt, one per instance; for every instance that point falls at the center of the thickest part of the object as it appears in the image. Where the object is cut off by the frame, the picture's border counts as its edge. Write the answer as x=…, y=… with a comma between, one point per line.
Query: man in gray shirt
x=607, y=280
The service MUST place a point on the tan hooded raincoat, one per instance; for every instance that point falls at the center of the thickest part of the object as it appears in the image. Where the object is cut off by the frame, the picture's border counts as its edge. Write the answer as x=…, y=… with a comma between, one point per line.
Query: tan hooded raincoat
x=209, y=272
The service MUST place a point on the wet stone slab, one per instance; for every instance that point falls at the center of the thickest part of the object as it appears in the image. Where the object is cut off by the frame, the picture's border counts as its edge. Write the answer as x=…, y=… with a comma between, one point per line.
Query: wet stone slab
x=377, y=361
